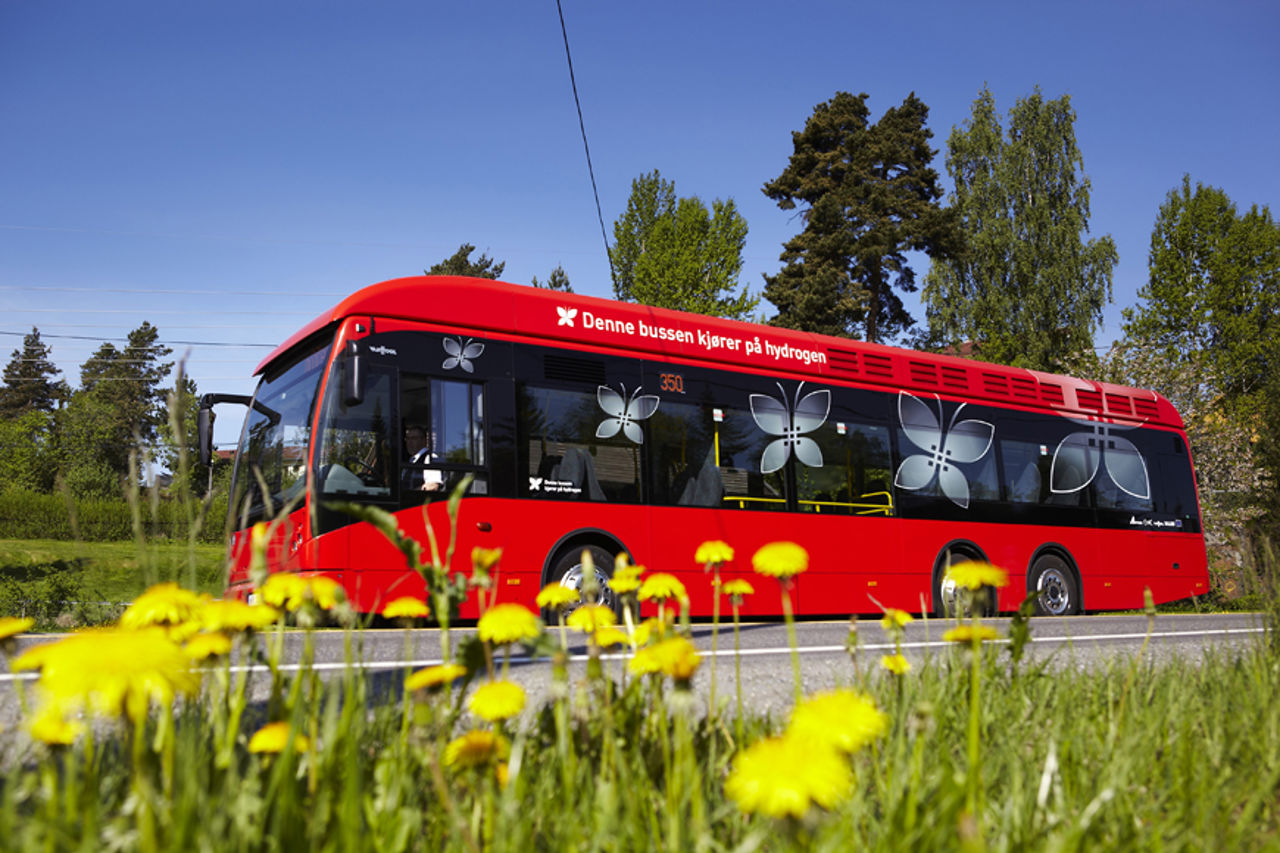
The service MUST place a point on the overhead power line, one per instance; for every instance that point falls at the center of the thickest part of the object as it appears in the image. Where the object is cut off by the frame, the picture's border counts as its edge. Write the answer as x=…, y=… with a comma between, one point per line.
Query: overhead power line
x=162, y=343
x=583, y=127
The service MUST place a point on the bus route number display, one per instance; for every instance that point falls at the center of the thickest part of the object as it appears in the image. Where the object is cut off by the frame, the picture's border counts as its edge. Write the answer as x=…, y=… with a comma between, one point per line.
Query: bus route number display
x=673, y=382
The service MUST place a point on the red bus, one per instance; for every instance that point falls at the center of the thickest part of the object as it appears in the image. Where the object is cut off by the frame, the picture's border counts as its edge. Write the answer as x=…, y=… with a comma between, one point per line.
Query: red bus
x=592, y=424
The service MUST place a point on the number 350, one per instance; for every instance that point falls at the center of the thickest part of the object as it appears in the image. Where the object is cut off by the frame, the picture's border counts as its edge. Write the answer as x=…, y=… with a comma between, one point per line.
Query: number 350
x=672, y=382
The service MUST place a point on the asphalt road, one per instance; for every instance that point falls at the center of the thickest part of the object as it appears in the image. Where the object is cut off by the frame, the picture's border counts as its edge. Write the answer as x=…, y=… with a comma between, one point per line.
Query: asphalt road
x=822, y=646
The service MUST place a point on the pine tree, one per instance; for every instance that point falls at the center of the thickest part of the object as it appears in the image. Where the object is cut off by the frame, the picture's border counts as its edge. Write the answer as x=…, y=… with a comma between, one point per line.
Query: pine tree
x=28, y=380
x=460, y=263
x=867, y=195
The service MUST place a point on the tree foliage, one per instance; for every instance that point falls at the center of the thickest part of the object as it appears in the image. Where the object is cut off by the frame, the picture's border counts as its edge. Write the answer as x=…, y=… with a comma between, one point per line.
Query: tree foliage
x=1028, y=289
x=867, y=195
x=29, y=380
x=1213, y=294
x=558, y=280
x=460, y=263
x=676, y=253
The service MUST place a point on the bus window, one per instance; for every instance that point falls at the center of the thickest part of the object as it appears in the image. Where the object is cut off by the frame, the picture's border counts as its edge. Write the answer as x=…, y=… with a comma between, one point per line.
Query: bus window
x=443, y=437
x=855, y=474
x=683, y=450
x=356, y=457
x=570, y=451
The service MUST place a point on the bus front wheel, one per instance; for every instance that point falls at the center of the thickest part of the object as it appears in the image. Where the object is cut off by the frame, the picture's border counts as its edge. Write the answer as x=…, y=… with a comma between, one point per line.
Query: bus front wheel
x=570, y=571
x=1053, y=578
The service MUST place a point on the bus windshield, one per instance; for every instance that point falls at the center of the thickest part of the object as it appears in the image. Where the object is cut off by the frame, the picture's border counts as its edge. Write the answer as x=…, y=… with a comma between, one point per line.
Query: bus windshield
x=274, y=443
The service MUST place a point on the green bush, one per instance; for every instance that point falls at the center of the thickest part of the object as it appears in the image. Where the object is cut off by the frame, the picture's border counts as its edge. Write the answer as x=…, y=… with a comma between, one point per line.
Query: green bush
x=30, y=515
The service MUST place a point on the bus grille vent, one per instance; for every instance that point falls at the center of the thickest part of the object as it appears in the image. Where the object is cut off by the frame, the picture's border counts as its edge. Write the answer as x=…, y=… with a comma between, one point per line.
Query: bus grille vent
x=1118, y=404
x=1024, y=388
x=994, y=383
x=568, y=369
x=923, y=373
x=1052, y=394
x=843, y=360
x=955, y=378
x=1145, y=408
x=877, y=365
x=1089, y=399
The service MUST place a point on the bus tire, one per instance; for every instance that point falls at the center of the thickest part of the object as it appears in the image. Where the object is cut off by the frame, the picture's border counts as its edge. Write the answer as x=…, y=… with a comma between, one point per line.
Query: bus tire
x=946, y=599
x=1056, y=581
x=568, y=571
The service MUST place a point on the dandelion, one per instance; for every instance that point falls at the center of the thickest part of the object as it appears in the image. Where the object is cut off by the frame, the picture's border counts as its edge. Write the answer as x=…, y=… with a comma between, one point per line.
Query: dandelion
x=556, y=596
x=974, y=575
x=895, y=620
x=324, y=591
x=166, y=605
x=204, y=646
x=714, y=553
x=476, y=749
x=970, y=634
x=497, y=700
x=653, y=628
x=113, y=672
x=591, y=618
x=283, y=590
x=780, y=560
x=406, y=607
x=274, y=738
x=485, y=559
x=783, y=777
x=236, y=617
x=12, y=627
x=662, y=587
x=434, y=677
x=508, y=623
x=608, y=637
x=897, y=664
x=626, y=580
x=843, y=719
x=675, y=657
x=53, y=729
x=737, y=589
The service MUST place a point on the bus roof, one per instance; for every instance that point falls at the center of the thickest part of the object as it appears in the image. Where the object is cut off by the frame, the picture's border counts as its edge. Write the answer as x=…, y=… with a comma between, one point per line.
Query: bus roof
x=482, y=305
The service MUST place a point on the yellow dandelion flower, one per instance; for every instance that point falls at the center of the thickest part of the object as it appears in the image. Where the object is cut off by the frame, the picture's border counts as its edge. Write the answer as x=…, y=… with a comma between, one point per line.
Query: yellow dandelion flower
x=284, y=590
x=591, y=618
x=842, y=718
x=235, y=616
x=626, y=580
x=324, y=591
x=163, y=604
x=12, y=627
x=652, y=628
x=555, y=596
x=895, y=619
x=476, y=749
x=780, y=560
x=112, y=672
x=274, y=738
x=661, y=586
x=508, y=623
x=737, y=588
x=497, y=700
x=973, y=574
x=608, y=637
x=970, y=634
x=406, y=607
x=203, y=646
x=715, y=551
x=897, y=664
x=502, y=773
x=485, y=558
x=50, y=727
x=258, y=536
x=783, y=777
x=434, y=677
x=675, y=657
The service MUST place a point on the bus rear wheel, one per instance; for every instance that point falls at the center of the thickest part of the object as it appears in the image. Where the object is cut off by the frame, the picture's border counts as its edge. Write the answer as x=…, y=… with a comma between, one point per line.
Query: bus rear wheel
x=570, y=571
x=1054, y=579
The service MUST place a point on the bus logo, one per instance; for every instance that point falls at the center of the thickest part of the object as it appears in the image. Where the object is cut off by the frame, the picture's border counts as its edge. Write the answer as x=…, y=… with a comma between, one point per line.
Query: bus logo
x=460, y=354
x=1077, y=457
x=963, y=442
x=566, y=315
x=625, y=412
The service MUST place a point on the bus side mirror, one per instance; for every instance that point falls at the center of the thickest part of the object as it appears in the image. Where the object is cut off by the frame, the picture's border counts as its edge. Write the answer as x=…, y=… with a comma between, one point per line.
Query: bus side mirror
x=353, y=376
x=204, y=433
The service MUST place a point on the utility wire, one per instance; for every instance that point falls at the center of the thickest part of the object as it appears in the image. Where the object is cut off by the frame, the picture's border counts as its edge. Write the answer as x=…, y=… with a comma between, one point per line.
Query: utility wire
x=583, y=127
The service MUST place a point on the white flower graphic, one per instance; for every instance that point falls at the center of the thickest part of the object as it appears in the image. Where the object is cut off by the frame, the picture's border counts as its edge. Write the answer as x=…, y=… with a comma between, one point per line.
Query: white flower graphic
x=567, y=315
x=625, y=412
x=460, y=354
x=1077, y=457
x=965, y=441
x=790, y=423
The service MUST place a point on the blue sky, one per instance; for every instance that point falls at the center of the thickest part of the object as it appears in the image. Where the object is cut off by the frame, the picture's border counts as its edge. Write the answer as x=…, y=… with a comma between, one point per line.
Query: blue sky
x=227, y=170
